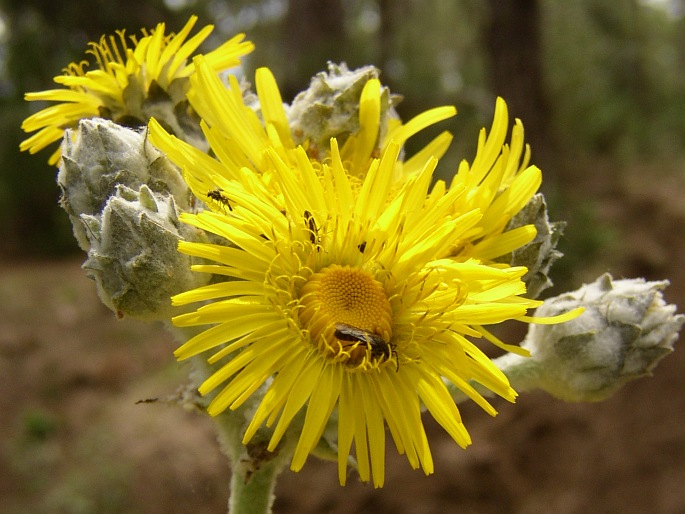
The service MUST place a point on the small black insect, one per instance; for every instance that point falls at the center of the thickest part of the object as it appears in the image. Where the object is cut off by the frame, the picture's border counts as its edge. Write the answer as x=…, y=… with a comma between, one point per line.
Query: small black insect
x=378, y=346
x=362, y=246
x=218, y=196
x=311, y=226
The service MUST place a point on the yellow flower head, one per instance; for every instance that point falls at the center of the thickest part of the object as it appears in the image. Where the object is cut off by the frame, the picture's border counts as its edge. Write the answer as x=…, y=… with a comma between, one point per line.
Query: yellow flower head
x=134, y=78
x=341, y=298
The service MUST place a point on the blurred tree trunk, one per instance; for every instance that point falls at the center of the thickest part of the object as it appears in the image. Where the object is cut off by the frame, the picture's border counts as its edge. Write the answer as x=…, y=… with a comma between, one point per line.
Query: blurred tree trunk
x=513, y=41
x=314, y=34
x=389, y=11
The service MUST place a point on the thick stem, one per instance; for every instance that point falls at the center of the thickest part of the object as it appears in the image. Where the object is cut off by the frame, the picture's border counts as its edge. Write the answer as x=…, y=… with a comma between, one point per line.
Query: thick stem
x=254, y=468
x=252, y=491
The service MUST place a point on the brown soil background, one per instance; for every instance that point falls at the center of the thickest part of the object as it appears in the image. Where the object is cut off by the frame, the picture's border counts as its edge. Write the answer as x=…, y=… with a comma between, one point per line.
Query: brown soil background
x=73, y=439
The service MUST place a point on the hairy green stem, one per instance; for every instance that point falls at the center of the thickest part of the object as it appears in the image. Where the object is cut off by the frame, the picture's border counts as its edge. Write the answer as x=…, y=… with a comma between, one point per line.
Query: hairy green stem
x=252, y=491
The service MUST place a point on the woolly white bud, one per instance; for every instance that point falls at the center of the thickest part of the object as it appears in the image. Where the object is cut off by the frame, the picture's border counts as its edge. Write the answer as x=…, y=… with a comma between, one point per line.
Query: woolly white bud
x=101, y=154
x=330, y=106
x=122, y=196
x=538, y=255
x=626, y=329
x=133, y=254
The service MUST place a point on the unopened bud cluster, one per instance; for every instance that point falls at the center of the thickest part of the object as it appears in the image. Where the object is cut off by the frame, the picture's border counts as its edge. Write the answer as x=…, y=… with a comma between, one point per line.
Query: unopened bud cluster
x=123, y=196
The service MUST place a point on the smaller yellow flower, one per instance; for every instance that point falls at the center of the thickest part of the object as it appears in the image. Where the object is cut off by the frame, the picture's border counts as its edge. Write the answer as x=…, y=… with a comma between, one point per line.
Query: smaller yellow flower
x=134, y=80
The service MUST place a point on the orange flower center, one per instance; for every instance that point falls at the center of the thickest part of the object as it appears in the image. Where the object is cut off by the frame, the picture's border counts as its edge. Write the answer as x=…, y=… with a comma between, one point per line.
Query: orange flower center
x=348, y=316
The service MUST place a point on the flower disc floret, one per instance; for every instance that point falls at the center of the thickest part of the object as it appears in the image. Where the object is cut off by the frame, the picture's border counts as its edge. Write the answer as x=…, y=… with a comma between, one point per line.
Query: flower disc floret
x=343, y=295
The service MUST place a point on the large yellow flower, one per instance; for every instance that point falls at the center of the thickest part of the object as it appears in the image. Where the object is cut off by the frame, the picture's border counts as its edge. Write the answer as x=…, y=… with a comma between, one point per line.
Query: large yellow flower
x=134, y=80
x=342, y=299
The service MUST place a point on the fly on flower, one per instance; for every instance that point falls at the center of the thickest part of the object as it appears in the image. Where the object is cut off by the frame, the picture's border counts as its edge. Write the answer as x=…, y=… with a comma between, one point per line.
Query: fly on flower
x=311, y=226
x=218, y=196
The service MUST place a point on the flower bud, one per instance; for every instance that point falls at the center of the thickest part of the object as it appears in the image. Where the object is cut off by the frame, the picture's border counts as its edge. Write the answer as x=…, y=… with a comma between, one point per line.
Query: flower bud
x=538, y=255
x=626, y=329
x=133, y=254
x=97, y=157
x=330, y=106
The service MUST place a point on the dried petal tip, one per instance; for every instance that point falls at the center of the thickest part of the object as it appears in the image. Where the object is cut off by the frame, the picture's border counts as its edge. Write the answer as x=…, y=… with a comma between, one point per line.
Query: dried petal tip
x=626, y=329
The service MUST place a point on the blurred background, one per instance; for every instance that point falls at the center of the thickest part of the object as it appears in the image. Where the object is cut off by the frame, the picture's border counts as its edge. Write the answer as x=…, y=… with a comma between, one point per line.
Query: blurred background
x=600, y=88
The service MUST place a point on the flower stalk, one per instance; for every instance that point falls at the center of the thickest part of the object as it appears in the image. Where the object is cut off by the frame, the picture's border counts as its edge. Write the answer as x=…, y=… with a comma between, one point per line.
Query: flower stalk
x=253, y=493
